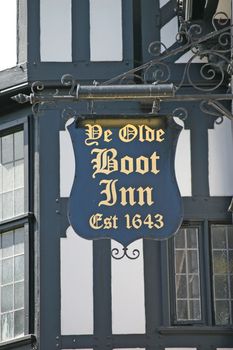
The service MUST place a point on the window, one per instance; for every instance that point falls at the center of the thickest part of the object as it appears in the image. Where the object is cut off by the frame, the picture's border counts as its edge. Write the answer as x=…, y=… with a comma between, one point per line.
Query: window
x=11, y=175
x=187, y=275
x=12, y=283
x=222, y=266
x=216, y=272
x=13, y=232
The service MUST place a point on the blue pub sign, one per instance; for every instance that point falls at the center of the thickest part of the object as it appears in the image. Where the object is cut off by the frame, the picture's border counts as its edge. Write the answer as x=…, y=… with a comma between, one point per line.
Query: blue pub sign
x=125, y=186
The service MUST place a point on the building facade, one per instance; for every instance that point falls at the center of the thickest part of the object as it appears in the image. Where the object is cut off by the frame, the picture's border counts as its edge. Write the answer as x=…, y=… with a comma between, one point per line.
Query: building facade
x=61, y=291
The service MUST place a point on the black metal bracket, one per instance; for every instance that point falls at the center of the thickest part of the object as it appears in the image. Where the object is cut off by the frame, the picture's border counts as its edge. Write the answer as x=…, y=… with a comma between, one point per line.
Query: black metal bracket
x=151, y=81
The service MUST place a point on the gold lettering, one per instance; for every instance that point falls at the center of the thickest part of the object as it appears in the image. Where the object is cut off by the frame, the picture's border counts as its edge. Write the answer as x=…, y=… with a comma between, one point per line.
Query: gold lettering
x=154, y=159
x=97, y=221
x=149, y=133
x=124, y=168
x=94, y=221
x=107, y=134
x=159, y=133
x=93, y=132
x=159, y=221
x=130, y=191
x=104, y=161
x=141, y=199
x=128, y=133
x=109, y=191
x=110, y=222
x=142, y=165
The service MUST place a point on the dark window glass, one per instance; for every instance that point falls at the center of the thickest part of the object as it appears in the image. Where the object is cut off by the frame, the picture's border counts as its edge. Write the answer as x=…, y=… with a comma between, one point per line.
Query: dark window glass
x=187, y=275
x=222, y=266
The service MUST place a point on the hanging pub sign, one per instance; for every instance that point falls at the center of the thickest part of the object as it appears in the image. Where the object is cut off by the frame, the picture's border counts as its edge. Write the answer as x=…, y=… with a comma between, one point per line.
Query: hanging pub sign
x=125, y=186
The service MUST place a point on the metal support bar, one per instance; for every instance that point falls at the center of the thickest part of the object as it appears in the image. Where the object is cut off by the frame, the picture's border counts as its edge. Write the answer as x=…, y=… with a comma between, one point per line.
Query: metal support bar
x=103, y=93
x=125, y=92
x=120, y=93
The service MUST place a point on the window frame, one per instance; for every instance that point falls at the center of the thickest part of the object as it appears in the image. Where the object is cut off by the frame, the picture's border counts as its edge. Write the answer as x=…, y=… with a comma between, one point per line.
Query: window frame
x=206, y=273
x=211, y=223
x=23, y=220
x=199, y=226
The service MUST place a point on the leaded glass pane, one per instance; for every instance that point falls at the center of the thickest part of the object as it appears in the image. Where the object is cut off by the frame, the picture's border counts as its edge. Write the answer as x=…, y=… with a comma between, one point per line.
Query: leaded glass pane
x=180, y=239
x=7, y=326
x=8, y=177
x=182, y=310
x=8, y=205
x=187, y=275
x=19, y=240
x=192, y=261
x=222, y=312
x=181, y=287
x=7, y=270
x=18, y=145
x=19, y=323
x=7, y=244
x=19, y=201
x=194, y=288
x=195, y=309
x=12, y=175
x=180, y=261
x=7, y=298
x=12, y=284
x=222, y=262
x=192, y=238
x=19, y=267
x=19, y=173
x=221, y=287
x=7, y=149
x=218, y=237
x=19, y=295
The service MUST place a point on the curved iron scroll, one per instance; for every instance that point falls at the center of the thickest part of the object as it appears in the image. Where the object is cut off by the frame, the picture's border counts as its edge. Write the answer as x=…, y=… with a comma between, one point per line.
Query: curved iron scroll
x=116, y=254
x=213, y=49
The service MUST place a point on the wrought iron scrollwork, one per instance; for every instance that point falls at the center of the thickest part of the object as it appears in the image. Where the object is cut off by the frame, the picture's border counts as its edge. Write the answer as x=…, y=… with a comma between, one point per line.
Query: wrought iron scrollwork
x=210, y=43
x=216, y=109
x=180, y=113
x=212, y=49
x=118, y=255
x=68, y=80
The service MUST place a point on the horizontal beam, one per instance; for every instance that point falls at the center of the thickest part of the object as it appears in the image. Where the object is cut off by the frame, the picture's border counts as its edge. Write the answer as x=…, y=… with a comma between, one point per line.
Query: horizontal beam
x=165, y=92
x=102, y=93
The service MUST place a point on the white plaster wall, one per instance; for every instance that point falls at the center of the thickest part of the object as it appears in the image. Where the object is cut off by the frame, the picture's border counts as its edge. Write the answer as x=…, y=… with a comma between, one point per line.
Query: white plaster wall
x=163, y=2
x=183, y=162
x=55, y=30
x=67, y=164
x=221, y=159
x=8, y=33
x=128, y=300
x=168, y=32
x=76, y=285
x=106, y=30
